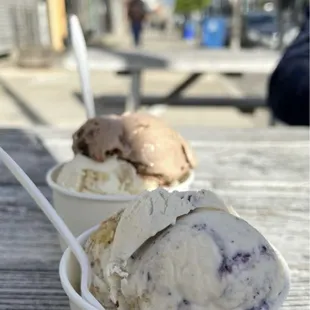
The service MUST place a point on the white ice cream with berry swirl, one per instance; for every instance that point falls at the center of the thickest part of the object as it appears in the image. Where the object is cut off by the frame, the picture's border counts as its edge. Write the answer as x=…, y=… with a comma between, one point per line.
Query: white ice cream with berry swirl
x=184, y=252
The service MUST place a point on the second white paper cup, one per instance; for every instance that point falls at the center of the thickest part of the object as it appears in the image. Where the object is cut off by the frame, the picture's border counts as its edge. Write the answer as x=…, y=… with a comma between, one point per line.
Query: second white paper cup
x=81, y=211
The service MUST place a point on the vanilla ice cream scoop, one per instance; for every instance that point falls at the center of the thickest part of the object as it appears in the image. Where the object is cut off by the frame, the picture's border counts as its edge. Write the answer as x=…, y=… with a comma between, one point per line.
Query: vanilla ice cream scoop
x=113, y=176
x=200, y=257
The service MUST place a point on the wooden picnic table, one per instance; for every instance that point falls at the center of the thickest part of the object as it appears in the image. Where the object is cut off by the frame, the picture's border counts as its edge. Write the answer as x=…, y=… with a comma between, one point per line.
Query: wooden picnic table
x=185, y=60
x=263, y=173
x=195, y=62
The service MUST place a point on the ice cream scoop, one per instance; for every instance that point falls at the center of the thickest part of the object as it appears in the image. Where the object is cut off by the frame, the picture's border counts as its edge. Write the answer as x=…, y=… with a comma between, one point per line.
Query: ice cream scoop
x=114, y=176
x=156, y=151
x=184, y=251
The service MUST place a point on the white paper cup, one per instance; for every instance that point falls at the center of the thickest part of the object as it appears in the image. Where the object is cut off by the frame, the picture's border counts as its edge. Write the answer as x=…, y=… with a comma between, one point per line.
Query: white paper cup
x=70, y=275
x=81, y=211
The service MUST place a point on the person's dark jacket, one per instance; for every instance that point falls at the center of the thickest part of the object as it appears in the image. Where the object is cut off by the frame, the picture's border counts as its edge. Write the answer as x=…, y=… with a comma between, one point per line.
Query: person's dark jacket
x=288, y=95
x=136, y=11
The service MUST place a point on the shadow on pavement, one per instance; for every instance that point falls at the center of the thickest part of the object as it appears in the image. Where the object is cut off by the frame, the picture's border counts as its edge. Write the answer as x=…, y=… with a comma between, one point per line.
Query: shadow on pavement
x=113, y=104
x=133, y=59
x=139, y=59
x=118, y=60
x=22, y=105
x=103, y=106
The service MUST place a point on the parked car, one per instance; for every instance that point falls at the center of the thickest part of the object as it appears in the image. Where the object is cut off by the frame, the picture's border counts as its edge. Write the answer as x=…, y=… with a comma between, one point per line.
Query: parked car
x=261, y=28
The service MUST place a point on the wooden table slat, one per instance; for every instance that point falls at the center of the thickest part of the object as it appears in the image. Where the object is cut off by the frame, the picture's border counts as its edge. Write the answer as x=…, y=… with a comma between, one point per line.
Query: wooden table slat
x=264, y=174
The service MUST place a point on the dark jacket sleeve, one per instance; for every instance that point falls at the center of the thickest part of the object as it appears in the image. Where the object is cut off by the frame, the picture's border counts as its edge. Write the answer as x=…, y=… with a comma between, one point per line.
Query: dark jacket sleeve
x=288, y=95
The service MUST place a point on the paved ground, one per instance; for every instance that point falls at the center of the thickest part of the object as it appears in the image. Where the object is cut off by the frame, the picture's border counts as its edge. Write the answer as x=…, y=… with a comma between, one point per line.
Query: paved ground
x=51, y=96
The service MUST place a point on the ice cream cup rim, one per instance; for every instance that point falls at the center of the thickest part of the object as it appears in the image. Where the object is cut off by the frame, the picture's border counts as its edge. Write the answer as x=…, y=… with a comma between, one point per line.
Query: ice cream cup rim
x=112, y=197
x=63, y=273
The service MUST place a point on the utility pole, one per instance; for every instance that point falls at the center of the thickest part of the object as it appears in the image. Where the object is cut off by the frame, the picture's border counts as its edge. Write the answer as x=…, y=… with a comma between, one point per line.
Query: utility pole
x=57, y=22
x=170, y=22
x=118, y=23
x=280, y=22
x=236, y=25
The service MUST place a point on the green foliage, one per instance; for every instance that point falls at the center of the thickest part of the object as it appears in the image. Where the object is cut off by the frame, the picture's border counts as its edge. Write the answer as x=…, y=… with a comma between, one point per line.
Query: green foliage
x=187, y=6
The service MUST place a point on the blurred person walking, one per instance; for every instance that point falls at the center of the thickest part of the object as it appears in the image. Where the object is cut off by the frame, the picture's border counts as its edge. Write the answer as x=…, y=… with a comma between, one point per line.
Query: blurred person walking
x=288, y=93
x=136, y=16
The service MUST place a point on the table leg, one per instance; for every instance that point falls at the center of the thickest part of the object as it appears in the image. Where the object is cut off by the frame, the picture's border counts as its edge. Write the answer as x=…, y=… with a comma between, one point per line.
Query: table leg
x=272, y=119
x=134, y=97
x=181, y=87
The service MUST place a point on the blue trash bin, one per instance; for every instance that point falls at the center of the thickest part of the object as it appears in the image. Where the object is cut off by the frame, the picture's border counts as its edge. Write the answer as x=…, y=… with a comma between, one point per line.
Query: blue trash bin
x=214, y=32
x=189, y=30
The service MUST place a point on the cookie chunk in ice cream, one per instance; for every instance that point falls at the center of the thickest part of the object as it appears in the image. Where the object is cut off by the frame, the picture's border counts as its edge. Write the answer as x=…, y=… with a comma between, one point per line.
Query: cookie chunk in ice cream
x=158, y=153
x=184, y=251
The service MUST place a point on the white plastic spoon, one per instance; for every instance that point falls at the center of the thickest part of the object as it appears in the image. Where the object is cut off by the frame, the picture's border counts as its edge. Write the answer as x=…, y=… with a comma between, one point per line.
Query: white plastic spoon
x=80, y=52
x=58, y=223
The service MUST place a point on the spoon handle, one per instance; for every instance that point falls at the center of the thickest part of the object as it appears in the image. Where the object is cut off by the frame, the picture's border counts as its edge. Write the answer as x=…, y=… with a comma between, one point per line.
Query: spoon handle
x=80, y=52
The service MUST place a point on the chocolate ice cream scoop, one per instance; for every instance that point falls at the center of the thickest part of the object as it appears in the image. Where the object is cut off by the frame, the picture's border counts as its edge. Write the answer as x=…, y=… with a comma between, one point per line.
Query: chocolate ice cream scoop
x=155, y=150
x=101, y=137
